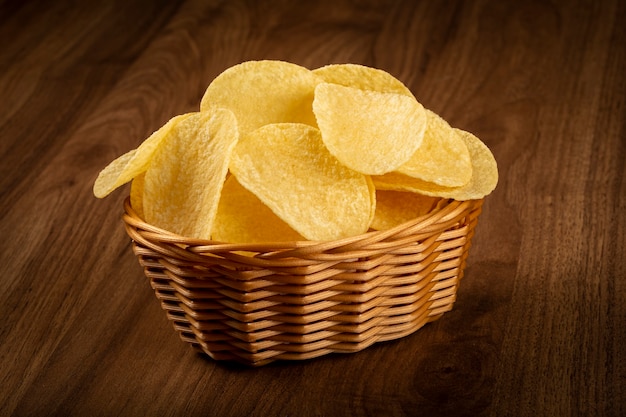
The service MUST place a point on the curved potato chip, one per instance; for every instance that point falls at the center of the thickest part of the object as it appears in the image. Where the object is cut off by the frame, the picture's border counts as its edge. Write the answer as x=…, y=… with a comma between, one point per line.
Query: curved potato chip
x=132, y=163
x=289, y=169
x=396, y=207
x=183, y=184
x=362, y=77
x=264, y=92
x=369, y=132
x=243, y=218
x=483, y=182
x=136, y=194
x=442, y=158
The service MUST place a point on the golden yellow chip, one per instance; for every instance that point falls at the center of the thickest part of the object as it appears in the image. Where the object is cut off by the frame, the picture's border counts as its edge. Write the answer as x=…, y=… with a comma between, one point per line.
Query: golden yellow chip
x=264, y=92
x=243, y=218
x=184, y=181
x=288, y=168
x=136, y=194
x=396, y=207
x=483, y=182
x=362, y=77
x=443, y=157
x=369, y=132
x=132, y=163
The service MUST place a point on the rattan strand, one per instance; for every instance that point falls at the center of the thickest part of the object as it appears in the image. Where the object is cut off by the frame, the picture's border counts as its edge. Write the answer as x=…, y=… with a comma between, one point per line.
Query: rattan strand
x=256, y=303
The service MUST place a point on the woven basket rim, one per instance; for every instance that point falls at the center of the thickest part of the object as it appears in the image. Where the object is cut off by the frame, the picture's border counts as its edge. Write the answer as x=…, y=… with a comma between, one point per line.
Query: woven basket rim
x=444, y=209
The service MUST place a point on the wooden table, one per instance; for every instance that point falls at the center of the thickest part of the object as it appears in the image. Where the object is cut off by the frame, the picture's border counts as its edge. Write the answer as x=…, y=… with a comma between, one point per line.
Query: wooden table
x=539, y=326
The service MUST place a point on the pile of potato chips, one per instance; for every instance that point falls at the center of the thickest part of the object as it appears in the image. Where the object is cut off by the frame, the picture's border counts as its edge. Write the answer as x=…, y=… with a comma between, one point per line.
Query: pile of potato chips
x=278, y=152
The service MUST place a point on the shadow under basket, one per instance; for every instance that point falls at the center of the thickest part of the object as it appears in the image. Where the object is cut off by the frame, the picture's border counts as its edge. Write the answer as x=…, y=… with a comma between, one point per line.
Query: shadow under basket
x=256, y=303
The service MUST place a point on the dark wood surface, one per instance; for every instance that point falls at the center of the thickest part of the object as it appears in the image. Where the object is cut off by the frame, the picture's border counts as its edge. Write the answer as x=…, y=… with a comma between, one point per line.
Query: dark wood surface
x=539, y=326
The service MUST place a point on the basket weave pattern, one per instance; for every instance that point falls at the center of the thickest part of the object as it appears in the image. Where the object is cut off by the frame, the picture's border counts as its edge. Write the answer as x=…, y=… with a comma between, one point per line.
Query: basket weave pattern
x=256, y=303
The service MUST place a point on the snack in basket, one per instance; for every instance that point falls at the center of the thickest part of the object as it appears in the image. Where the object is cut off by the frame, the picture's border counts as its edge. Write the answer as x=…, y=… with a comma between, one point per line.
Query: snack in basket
x=278, y=152
x=287, y=166
x=183, y=184
x=442, y=158
x=397, y=207
x=362, y=77
x=243, y=218
x=264, y=92
x=132, y=163
x=483, y=180
x=368, y=131
x=136, y=194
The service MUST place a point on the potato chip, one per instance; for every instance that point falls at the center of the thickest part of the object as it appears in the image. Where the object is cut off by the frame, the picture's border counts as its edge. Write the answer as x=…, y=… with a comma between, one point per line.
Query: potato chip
x=136, y=194
x=264, y=92
x=483, y=182
x=243, y=218
x=362, y=77
x=134, y=162
x=443, y=158
x=396, y=207
x=394, y=181
x=288, y=168
x=369, y=132
x=184, y=181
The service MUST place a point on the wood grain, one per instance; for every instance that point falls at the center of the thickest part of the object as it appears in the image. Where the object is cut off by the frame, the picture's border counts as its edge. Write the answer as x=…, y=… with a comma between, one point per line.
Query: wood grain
x=538, y=328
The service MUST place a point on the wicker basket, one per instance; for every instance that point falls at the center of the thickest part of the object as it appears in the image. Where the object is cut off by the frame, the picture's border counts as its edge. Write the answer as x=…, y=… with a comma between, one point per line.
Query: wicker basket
x=256, y=303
